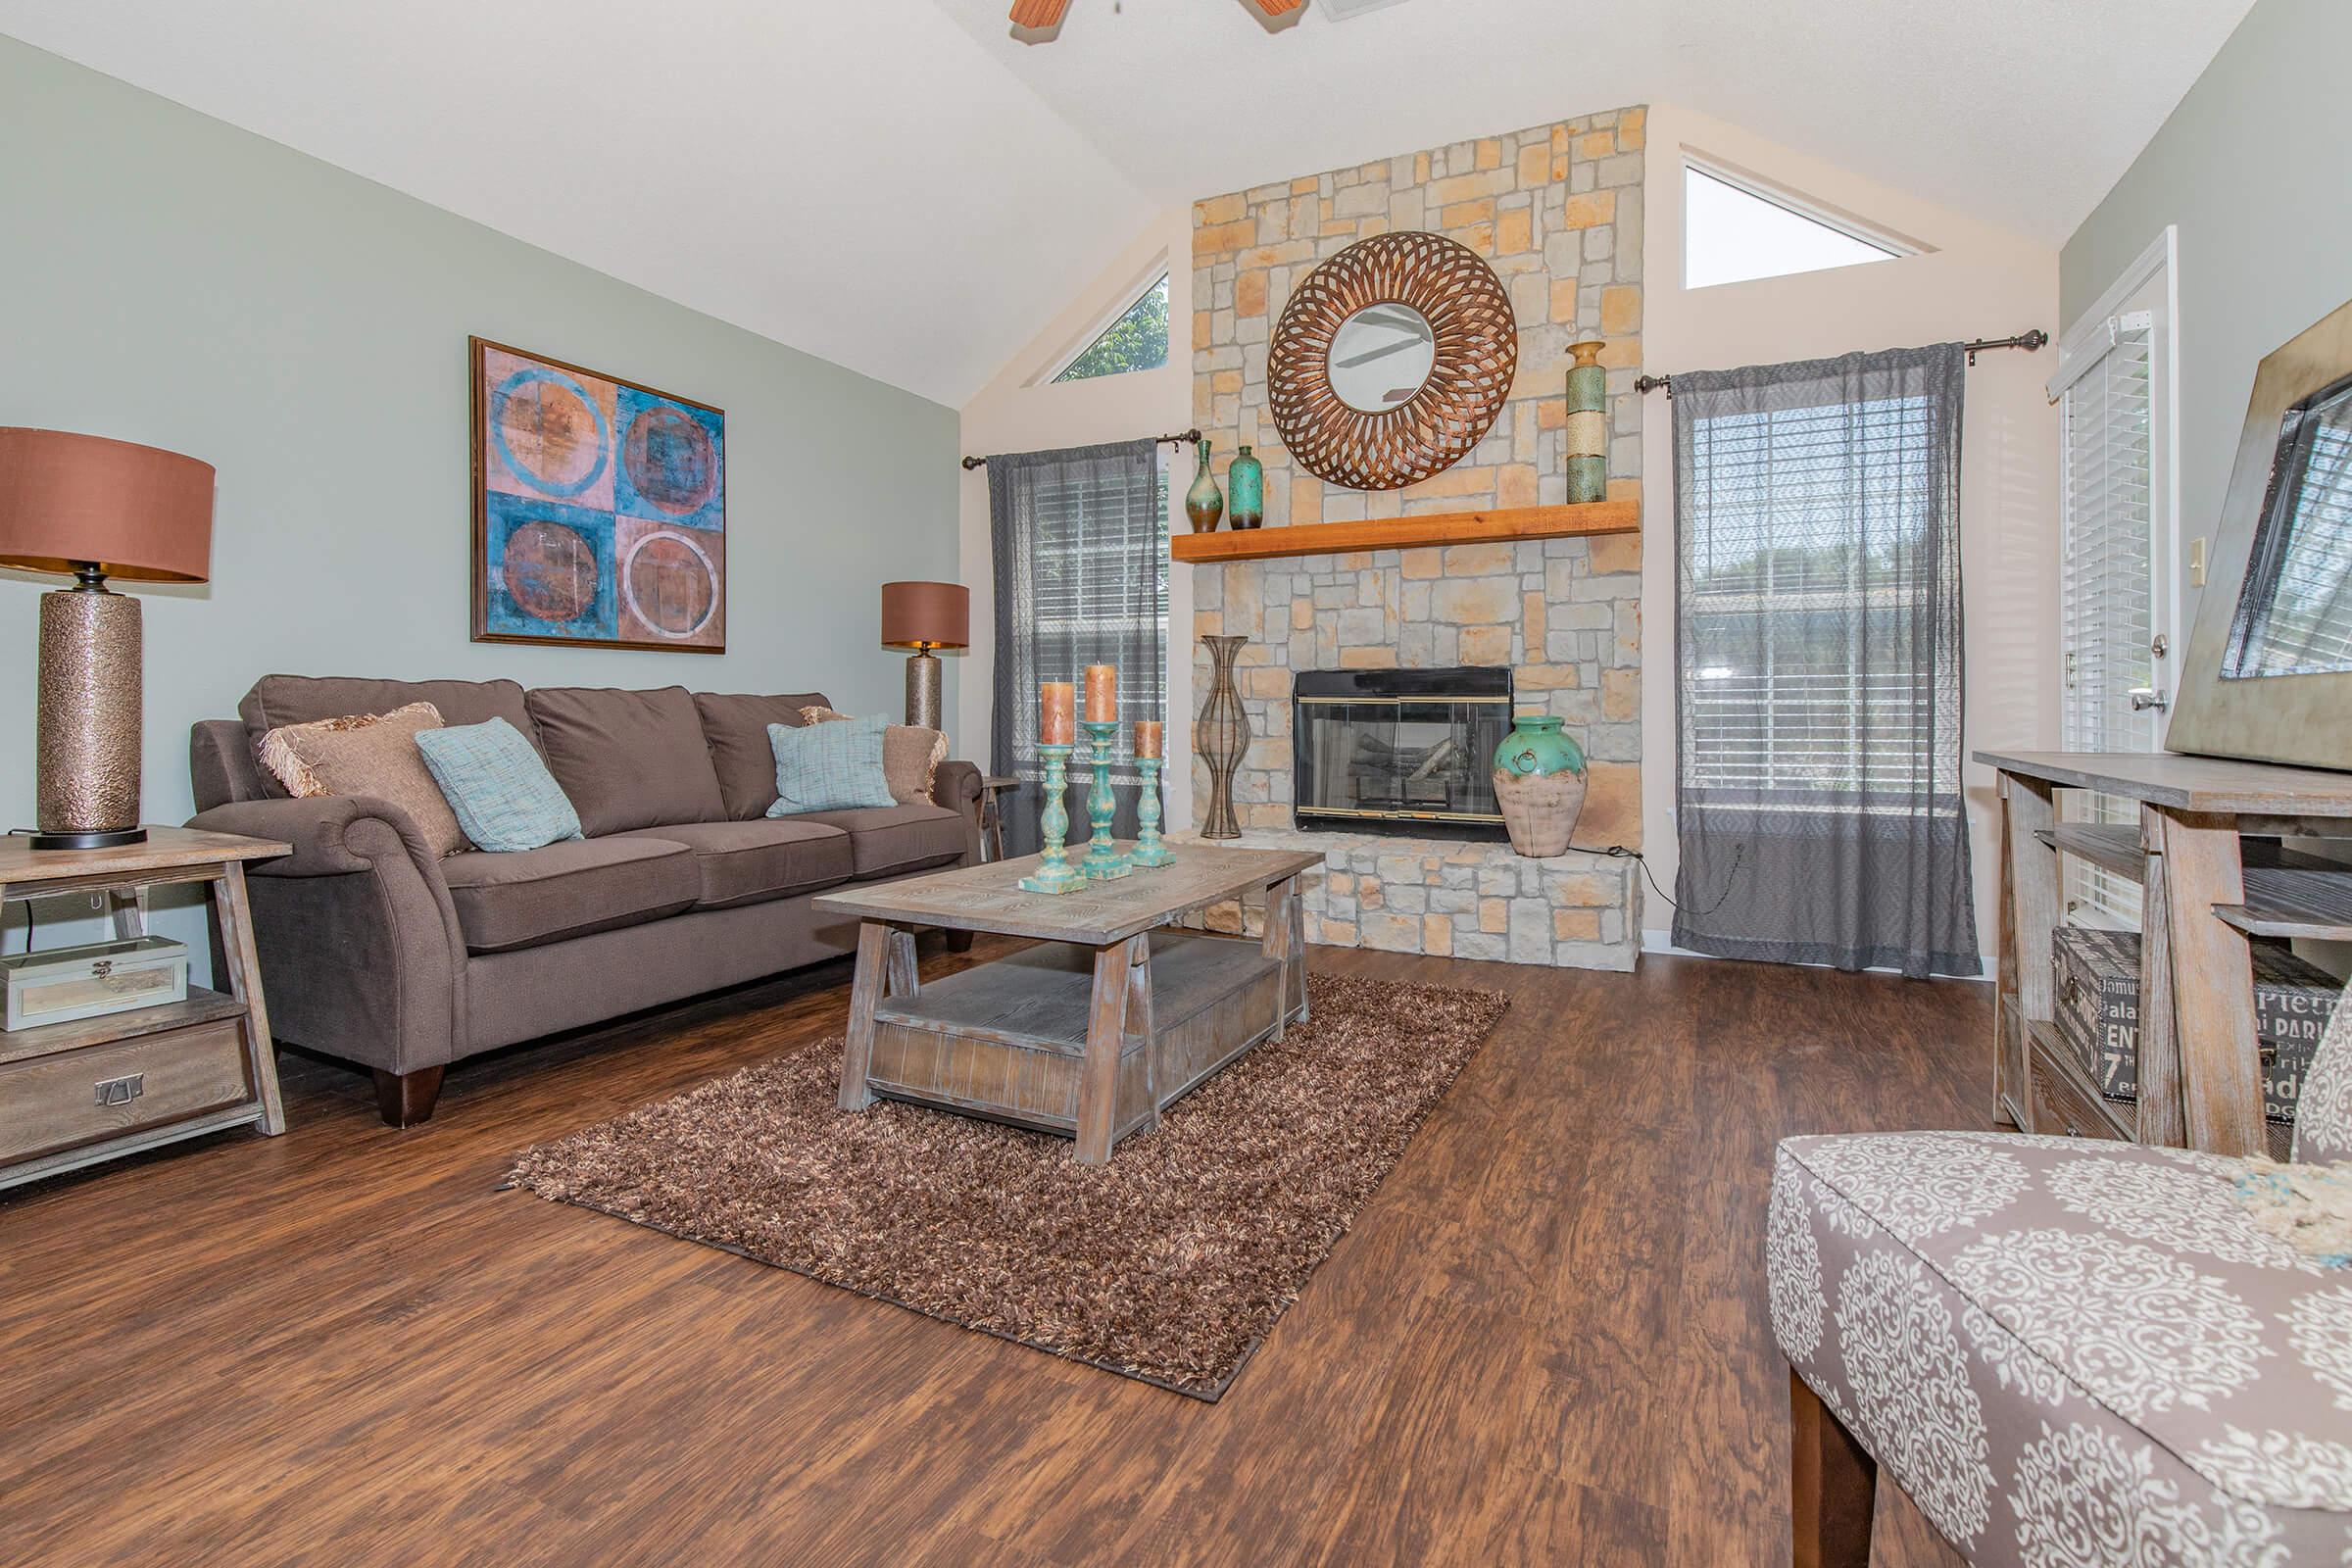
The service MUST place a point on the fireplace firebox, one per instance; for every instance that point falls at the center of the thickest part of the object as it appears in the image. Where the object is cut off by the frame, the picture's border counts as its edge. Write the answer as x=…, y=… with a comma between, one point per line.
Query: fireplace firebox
x=1400, y=751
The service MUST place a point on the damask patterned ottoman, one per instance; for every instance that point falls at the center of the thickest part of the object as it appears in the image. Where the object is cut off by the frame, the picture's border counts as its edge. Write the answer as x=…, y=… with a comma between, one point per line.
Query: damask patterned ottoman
x=2069, y=1354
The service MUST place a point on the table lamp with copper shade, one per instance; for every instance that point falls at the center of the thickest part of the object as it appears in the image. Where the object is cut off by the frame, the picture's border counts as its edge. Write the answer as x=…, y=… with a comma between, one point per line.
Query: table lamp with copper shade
x=93, y=508
x=923, y=616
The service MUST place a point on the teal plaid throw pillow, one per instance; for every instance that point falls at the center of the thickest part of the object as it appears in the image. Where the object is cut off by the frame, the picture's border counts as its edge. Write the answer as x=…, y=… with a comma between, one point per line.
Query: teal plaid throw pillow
x=830, y=767
x=504, y=796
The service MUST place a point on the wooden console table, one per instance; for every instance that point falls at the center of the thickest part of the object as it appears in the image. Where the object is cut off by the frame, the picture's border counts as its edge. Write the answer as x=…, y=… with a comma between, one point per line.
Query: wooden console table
x=73, y=1094
x=1092, y=1035
x=2206, y=856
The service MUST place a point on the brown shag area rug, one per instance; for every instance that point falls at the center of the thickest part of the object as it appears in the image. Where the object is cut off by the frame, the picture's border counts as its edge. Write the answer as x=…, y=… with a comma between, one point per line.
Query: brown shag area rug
x=1170, y=1265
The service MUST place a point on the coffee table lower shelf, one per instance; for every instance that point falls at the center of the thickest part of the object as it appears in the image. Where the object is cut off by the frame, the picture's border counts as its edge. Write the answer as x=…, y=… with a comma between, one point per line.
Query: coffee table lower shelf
x=1007, y=1040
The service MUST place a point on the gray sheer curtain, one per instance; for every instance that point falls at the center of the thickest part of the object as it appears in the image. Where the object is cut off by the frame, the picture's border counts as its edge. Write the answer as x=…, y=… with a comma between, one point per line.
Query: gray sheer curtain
x=1081, y=556
x=1817, y=518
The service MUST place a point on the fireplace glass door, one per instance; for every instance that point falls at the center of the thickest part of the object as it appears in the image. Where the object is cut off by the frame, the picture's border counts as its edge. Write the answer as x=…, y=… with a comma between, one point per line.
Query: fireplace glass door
x=1401, y=751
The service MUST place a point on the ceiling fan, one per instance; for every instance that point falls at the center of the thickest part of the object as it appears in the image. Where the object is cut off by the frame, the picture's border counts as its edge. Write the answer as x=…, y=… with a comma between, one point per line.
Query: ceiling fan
x=1045, y=15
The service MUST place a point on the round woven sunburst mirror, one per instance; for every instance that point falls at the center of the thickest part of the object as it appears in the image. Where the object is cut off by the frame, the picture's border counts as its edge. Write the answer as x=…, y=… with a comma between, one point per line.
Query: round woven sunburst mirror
x=1392, y=361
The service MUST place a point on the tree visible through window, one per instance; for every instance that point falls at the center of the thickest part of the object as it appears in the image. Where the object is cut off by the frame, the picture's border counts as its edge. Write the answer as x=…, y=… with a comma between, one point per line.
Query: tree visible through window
x=1137, y=341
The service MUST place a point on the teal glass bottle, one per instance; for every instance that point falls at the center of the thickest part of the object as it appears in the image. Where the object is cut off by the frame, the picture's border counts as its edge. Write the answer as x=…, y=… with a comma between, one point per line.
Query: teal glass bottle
x=1204, y=503
x=1246, y=491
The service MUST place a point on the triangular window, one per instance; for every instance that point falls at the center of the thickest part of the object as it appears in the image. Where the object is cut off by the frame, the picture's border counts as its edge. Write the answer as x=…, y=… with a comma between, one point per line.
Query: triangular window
x=1734, y=233
x=1137, y=341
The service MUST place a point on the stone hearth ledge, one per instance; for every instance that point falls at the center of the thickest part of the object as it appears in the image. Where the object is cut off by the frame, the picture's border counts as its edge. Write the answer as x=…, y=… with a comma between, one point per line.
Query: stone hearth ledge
x=1449, y=899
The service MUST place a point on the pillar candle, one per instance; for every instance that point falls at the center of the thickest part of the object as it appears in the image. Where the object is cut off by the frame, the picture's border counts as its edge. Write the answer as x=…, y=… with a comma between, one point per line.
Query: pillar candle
x=1147, y=736
x=1056, y=713
x=1102, y=694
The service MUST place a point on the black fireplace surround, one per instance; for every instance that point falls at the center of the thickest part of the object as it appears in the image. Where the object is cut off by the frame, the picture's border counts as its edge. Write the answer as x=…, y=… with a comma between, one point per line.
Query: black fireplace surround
x=1400, y=751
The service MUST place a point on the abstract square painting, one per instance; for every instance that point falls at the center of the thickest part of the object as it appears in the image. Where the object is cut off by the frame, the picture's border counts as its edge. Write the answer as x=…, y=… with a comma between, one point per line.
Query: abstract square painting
x=600, y=510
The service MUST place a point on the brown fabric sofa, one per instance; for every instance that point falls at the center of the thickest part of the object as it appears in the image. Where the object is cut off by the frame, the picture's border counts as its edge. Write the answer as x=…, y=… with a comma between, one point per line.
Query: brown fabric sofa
x=374, y=951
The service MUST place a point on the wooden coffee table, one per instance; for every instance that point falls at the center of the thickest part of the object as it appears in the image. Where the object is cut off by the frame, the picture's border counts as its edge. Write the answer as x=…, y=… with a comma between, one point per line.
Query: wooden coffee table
x=1096, y=1033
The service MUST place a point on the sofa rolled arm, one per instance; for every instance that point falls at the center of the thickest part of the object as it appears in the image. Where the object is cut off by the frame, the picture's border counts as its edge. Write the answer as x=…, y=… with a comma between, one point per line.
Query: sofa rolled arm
x=362, y=954
x=957, y=786
x=320, y=828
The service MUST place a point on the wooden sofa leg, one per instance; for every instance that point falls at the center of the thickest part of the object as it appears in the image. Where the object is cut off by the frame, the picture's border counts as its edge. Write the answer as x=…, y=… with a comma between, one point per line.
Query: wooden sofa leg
x=405, y=1099
x=959, y=941
x=1832, y=1485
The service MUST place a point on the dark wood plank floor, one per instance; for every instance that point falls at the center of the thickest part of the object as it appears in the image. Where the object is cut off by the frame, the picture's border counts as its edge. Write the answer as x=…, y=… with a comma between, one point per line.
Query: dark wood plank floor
x=1544, y=1342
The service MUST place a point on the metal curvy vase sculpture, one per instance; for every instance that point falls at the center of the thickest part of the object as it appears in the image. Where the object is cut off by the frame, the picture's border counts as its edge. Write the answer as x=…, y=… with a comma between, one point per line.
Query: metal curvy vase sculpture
x=1224, y=735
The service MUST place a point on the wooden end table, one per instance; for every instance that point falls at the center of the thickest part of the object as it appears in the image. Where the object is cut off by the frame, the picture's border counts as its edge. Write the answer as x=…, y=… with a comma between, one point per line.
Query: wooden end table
x=1092, y=1034
x=992, y=790
x=73, y=1093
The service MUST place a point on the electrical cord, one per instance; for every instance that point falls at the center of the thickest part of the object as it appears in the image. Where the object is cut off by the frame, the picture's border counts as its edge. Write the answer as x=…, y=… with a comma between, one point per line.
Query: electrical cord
x=1619, y=851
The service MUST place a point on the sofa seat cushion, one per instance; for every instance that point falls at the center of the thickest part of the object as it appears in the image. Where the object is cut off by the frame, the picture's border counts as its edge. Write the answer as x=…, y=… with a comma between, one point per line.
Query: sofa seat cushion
x=627, y=759
x=534, y=897
x=894, y=840
x=2053, y=1342
x=749, y=862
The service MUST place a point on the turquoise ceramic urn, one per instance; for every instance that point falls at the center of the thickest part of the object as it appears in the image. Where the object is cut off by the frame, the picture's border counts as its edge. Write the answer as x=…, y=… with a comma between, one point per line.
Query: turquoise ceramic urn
x=1539, y=784
x=1246, y=491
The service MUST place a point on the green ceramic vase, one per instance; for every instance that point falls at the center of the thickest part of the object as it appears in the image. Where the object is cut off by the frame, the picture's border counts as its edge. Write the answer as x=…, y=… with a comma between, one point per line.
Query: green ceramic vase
x=1539, y=784
x=1246, y=491
x=1204, y=503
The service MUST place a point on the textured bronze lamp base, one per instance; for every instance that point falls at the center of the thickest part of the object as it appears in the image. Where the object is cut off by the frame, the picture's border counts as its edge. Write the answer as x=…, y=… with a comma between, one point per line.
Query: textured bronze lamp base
x=87, y=729
x=922, y=690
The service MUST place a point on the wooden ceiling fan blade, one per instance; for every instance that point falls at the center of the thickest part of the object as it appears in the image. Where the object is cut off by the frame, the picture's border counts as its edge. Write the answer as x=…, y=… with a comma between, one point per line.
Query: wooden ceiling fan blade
x=1039, y=12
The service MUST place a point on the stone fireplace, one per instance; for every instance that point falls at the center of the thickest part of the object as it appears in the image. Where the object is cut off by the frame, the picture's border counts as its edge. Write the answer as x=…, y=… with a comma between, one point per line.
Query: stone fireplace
x=1559, y=620
x=1555, y=622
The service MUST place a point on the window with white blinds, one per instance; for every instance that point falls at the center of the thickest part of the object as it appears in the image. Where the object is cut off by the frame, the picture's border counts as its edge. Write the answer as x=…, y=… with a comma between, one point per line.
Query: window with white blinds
x=2107, y=590
x=1811, y=569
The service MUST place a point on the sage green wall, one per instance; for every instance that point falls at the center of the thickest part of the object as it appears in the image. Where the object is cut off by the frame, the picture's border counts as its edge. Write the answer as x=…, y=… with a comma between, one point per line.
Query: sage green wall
x=2249, y=166
x=168, y=278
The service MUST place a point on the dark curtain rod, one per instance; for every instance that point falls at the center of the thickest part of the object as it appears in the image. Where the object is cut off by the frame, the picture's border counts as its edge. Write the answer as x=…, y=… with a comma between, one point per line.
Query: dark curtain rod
x=2029, y=341
x=1193, y=436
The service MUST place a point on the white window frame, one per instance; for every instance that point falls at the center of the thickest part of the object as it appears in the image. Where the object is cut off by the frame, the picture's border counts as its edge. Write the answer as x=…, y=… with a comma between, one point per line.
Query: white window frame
x=2150, y=284
x=1128, y=298
x=1836, y=219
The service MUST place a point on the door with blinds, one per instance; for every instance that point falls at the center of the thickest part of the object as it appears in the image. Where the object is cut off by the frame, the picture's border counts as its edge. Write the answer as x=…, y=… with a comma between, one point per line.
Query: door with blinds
x=2116, y=595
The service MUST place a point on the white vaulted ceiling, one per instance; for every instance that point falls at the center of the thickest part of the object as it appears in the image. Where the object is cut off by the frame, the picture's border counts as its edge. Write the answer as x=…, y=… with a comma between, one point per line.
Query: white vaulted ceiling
x=905, y=188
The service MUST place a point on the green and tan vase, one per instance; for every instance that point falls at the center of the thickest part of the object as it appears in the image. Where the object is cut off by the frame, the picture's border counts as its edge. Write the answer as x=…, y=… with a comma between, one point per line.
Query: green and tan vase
x=1540, y=781
x=1204, y=503
x=1588, y=435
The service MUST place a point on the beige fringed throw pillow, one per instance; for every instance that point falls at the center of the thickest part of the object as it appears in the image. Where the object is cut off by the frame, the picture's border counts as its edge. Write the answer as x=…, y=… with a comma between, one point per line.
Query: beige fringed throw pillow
x=911, y=755
x=367, y=754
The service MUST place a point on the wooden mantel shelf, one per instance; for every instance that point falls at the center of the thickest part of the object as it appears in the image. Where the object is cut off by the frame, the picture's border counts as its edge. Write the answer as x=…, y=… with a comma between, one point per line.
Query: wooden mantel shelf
x=1623, y=516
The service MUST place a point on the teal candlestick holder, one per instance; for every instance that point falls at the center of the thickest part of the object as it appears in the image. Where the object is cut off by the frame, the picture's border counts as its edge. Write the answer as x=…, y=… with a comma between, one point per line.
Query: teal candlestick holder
x=1103, y=861
x=1149, y=851
x=1054, y=873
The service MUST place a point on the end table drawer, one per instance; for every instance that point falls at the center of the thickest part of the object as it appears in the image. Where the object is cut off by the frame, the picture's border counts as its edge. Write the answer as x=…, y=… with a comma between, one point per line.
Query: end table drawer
x=80, y=1097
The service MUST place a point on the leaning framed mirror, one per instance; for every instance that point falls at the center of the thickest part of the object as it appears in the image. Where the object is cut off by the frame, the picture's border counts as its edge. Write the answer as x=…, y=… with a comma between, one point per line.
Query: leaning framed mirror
x=1390, y=361
x=2269, y=673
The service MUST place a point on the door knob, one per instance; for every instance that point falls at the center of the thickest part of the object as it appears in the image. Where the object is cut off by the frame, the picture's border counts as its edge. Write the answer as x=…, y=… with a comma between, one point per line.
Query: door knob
x=2144, y=697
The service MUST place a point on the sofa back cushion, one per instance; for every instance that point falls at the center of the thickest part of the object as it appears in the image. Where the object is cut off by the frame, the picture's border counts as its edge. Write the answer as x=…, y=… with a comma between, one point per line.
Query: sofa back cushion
x=499, y=790
x=736, y=728
x=627, y=759
x=280, y=700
